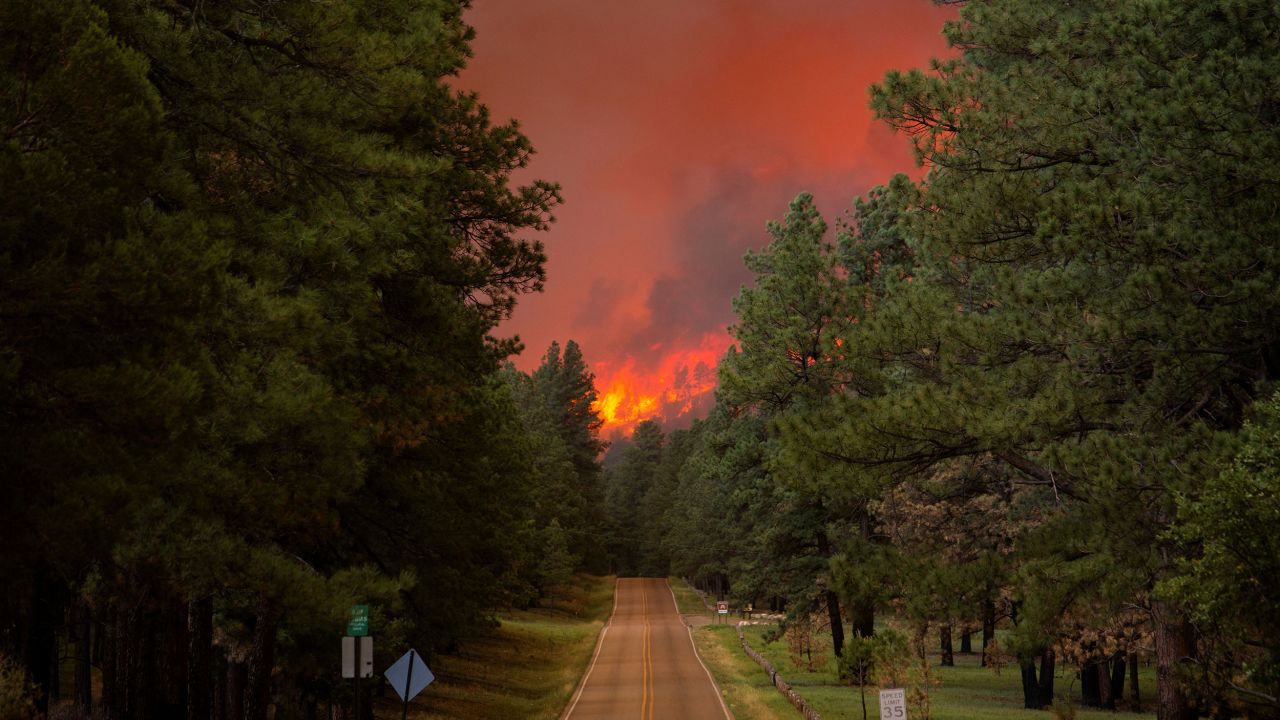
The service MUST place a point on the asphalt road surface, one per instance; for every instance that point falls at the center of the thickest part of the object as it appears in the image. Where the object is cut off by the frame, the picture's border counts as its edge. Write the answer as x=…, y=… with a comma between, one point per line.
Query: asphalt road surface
x=645, y=667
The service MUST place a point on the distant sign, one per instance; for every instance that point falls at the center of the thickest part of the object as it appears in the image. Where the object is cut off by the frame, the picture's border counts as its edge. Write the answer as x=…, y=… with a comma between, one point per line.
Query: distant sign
x=409, y=675
x=349, y=660
x=358, y=625
x=893, y=704
x=722, y=607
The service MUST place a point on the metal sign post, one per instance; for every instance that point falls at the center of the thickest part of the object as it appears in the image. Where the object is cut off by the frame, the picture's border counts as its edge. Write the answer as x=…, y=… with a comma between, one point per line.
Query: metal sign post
x=409, y=676
x=408, y=682
x=357, y=652
x=357, y=662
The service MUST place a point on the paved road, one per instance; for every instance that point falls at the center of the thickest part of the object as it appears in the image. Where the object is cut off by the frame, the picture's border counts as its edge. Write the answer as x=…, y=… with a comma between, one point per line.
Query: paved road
x=645, y=665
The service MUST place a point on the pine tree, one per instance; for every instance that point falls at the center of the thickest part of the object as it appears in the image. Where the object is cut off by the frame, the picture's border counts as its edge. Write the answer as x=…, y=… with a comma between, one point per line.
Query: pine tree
x=252, y=287
x=1091, y=302
x=566, y=387
x=791, y=330
x=1230, y=587
x=108, y=283
x=626, y=485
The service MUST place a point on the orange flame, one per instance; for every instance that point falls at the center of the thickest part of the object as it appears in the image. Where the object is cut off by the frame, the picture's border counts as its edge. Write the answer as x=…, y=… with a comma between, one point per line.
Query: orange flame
x=671, y=391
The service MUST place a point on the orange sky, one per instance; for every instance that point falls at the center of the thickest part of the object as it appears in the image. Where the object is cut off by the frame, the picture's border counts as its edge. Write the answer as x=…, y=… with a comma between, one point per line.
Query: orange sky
x=677, y=128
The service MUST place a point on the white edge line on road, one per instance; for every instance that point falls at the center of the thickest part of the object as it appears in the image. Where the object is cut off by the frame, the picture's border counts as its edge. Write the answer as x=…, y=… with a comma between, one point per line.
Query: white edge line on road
x=689, y=628
x=599, y=644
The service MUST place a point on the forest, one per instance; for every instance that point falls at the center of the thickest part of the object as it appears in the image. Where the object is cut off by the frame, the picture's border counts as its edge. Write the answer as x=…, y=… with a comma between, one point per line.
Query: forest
x=256, y=257
x=253, y=259
x=1033, y=392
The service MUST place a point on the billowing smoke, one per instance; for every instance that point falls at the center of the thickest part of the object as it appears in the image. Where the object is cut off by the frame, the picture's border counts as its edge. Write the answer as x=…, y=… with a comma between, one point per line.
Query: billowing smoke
x=677, y=130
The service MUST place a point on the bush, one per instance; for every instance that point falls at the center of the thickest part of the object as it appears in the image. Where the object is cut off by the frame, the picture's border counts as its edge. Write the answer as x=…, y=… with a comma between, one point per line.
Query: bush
x=17, y=694
x=1063, y=709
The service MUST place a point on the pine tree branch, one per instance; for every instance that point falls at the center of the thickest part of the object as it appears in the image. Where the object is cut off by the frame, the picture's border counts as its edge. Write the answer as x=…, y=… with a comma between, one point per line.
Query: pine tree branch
x=1041, y=474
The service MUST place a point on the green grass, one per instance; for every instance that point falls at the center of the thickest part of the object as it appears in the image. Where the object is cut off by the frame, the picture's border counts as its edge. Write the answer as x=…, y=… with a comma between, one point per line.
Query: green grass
x=527, y=668
x=966, y=691
x=745, y=687
x=687, y=599
x=743, y=683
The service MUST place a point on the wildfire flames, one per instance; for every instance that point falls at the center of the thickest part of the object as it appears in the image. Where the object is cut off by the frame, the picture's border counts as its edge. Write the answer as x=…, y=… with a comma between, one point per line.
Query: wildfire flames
x=679, y=385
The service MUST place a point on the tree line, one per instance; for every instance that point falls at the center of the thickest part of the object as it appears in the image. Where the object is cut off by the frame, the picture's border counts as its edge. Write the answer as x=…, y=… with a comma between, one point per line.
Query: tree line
x=1033, y=391
x=254, y=256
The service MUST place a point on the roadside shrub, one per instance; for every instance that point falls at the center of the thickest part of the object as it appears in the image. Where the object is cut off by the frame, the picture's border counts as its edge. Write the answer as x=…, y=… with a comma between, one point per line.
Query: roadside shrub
x=1062, y=709
x=17, y=694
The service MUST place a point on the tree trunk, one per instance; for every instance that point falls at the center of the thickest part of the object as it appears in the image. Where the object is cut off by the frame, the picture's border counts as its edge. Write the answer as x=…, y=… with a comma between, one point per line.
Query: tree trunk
x=173, y=657
x=1106, y=699
x=1030, y=685
x=108, y=660
x=948, y=657
x=1046, y=677
x=833, y=602
x=199, y=657
x=863, y=609
x=55, y=667
x=1175, y=645
x=1089, y=691
x=1135, y=694
x=863, y=620
x=837, y=622
x=42, y=638
x=143, y=666
x=237, y=680
x=261, y=661
x=966, y=641
x=131, y=681
x=123, y=640
x=988, y=628
x=218, y=711
x=84, y=657
x=1117, y=678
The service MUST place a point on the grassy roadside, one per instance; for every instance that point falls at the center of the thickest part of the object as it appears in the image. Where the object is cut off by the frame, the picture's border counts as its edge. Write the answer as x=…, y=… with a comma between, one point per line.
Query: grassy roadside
x=687, y=600
x=527, y=668
x=745, y=687
x=966, y=691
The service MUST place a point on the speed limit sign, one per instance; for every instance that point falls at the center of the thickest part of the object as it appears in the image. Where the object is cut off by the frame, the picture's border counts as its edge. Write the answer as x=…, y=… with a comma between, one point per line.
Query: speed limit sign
x=893, y=704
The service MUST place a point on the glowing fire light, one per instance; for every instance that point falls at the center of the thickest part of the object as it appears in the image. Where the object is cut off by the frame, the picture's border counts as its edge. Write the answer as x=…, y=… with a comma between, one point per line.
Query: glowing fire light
x=673, y=390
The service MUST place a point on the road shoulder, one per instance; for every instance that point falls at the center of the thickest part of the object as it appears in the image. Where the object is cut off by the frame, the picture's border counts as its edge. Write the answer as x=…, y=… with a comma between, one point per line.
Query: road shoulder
x=743, y=686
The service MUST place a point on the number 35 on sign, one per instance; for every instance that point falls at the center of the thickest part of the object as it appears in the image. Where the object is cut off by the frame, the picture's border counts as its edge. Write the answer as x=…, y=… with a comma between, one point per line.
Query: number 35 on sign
x=893, y=704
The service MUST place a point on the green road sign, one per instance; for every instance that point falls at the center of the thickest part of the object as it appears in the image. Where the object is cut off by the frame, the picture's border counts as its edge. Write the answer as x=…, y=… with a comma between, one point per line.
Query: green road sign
x=358, y=626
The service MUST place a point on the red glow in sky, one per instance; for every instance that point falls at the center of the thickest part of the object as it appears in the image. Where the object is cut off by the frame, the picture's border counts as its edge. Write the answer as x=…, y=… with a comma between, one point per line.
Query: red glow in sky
x=677, y=128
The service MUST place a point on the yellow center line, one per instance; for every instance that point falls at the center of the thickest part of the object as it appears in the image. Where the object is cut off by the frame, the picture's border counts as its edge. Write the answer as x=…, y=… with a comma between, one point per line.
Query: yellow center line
x=648, y=645
x=644, y=651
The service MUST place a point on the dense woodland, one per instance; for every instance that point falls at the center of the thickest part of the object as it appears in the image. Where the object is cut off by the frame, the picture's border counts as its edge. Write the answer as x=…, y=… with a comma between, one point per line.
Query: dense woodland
x=1032, y=394
x=255, y=257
